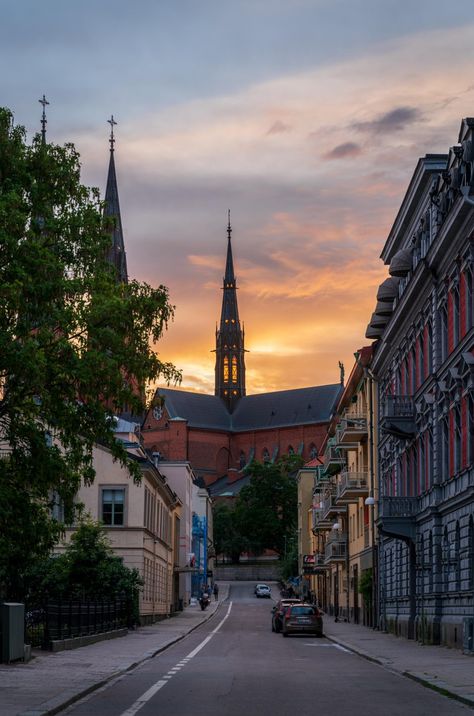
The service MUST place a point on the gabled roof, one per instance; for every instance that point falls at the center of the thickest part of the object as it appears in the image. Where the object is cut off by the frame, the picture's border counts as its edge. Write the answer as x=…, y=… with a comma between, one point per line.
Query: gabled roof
x=284, y=408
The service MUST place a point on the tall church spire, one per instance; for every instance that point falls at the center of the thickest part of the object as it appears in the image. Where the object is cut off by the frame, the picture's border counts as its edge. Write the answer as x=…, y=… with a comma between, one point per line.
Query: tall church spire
x=230, y=351
x=116, y=256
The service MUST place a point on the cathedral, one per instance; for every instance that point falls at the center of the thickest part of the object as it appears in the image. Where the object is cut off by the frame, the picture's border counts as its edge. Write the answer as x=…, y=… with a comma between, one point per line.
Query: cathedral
x=220, y=434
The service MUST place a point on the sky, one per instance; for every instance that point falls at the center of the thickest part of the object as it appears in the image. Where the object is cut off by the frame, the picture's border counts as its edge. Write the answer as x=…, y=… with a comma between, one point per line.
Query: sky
x=305, y=118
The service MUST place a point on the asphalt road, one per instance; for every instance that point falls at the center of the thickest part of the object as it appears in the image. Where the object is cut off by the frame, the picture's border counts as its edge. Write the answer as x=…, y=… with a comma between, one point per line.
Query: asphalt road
x=233, y=665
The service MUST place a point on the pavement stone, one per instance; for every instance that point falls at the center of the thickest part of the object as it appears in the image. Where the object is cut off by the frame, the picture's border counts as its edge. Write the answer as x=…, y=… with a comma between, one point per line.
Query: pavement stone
x=52, y=681
x=446, y=670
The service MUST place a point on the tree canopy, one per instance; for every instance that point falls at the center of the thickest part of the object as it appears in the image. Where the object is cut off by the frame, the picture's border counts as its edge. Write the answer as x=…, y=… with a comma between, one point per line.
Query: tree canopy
x=74, y=342
x=264, y=515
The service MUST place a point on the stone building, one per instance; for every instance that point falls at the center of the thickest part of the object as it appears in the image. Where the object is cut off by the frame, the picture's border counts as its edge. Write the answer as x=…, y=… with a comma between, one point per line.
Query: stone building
x=424, y=366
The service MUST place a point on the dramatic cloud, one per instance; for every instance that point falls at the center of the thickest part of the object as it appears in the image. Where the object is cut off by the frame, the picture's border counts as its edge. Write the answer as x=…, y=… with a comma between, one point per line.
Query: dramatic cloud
x=394, y=121
x=343, y=151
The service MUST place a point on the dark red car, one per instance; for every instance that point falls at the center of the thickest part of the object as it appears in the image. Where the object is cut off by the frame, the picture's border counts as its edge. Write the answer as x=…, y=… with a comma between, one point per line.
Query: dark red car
x=302, y=619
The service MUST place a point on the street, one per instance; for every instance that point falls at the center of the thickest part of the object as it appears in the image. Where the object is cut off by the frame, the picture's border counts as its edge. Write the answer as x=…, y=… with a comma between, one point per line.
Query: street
x=233, y=665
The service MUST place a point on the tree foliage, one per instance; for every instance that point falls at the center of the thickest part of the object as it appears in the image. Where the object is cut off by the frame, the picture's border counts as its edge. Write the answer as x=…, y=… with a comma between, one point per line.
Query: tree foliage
x=228, y=539
x=264, y=515
x=74, y=343
x=87, y=569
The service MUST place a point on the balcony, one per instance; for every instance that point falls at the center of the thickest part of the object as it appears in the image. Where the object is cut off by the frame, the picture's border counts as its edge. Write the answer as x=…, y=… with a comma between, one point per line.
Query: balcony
x=397, y=517
x=351, y=486
x=351, y=430
x=334, y=461
x=320, y=523
x=330, y=508
x=397, y=416
x=336, y=549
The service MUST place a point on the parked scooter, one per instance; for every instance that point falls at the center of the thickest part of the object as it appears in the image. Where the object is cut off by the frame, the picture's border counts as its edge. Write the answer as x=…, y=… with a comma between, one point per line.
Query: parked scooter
x=204, y=600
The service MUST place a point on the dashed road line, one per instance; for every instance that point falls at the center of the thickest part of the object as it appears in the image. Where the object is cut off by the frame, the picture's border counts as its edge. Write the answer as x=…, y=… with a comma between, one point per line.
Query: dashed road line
x=144, y=698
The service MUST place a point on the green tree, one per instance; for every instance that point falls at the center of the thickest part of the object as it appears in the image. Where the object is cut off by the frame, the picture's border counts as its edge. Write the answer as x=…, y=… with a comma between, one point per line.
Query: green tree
x=74, y=343
x=88, y=569
x=266, y=509
x=228, y=539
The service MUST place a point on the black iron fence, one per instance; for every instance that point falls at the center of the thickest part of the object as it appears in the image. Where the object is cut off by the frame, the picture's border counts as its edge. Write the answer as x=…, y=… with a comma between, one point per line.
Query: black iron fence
x=67, y=619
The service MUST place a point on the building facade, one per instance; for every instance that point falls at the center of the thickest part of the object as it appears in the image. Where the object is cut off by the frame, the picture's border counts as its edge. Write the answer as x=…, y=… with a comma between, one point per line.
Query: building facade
x=424, y=366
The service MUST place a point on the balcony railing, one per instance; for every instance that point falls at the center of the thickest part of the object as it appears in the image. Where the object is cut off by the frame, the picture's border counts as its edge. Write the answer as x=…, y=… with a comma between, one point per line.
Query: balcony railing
x=319, y=522
x=351, y=486
x=397, y=416
x=330, y=505
x=396, y=517
x=334, y=461
x=335, y=550
x=351, y=430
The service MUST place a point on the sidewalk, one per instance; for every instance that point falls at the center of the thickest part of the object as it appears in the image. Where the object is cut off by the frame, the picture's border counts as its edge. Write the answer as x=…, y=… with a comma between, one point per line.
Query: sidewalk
x=446, y=670
x=50, y=682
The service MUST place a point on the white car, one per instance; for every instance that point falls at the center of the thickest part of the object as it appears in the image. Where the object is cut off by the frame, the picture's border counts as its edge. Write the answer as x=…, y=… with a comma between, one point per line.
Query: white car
x=263, y=590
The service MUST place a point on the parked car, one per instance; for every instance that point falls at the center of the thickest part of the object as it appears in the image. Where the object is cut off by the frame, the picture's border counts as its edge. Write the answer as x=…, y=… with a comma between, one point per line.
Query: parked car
x=263, y=590
x=278, y=611
x=302, y=619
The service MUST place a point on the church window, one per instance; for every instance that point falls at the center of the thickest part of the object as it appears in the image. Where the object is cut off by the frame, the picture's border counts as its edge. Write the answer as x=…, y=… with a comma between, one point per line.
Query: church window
x=242, y=460
x=291, y=450
x=234, y=369
x=226, y=370
x=313, y=452
x=266, y=455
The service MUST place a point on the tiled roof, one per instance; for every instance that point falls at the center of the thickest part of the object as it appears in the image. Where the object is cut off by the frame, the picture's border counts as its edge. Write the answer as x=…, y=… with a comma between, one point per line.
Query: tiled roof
x=284, y=408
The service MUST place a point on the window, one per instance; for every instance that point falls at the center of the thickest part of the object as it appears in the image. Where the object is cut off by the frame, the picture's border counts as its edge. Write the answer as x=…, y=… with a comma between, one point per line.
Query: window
x=421, y=359
x=456, y=315
x=226, y=370
x=457, y=438
x=457, y=548
x=444, y=449
x=429, y=348
x=113, y=503
x=471, y=552
x=242, y=460
x=234, y=369
x=468, y=299
x=470, y=429
x=266, y=455
x=443, y=326
x=291, y=450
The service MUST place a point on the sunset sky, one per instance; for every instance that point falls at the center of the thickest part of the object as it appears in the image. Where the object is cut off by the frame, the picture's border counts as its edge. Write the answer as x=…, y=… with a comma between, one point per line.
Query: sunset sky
x=304, y=117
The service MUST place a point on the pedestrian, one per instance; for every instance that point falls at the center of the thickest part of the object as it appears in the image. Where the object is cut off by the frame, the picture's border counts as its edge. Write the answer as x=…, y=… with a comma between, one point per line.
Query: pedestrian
x=216, y=592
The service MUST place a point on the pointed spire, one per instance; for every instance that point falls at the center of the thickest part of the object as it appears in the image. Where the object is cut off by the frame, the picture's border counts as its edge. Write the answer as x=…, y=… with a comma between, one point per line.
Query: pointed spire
x=230, y=351
x=44, y=121
x=117, y=255
x=229, y=277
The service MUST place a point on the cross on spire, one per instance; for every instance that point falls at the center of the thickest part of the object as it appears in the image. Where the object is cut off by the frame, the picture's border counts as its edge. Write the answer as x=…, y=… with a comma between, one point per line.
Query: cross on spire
x=229, y=228
x=44, y=121
x=112, y=122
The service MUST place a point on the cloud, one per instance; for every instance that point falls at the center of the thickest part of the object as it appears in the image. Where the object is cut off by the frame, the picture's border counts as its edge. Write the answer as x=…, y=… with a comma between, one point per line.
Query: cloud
x=342, y=151
x=279, y=127
x=393, y=121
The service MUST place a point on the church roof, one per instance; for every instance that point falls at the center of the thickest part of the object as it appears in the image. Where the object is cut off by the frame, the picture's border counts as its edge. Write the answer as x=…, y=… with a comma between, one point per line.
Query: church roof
x=284, y=408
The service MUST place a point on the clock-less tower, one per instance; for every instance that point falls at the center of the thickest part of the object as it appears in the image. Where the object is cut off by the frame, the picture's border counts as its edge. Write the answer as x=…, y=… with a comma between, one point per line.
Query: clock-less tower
x=230, y=351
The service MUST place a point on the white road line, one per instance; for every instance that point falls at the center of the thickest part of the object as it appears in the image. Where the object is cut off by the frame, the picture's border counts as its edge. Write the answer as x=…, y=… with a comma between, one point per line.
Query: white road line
x=163, y=681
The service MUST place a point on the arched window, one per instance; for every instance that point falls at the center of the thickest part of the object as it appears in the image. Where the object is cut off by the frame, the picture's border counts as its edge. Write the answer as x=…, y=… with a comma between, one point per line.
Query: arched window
x=290, y=450
x=313, y=451
x=226, y=369
x=234, y=369
x=266, y=455
x=456, y=315
x=242, y=460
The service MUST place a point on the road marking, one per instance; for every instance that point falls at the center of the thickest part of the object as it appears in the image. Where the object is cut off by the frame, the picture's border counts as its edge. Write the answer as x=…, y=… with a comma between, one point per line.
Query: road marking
x=164, y=680
x=330, y=646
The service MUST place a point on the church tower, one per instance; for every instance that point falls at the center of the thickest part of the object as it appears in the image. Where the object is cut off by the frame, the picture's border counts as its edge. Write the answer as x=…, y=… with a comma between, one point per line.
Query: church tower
x=230, y=363
x=116, y=255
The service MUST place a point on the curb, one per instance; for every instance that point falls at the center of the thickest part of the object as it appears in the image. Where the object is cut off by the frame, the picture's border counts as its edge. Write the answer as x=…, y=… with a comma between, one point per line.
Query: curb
x=54, y=706
x=407, y=674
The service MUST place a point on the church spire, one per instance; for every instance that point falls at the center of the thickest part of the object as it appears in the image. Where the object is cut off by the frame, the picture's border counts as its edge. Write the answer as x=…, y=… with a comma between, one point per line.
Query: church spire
x=116, y=255
x=230, y=351
x=44, y=121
